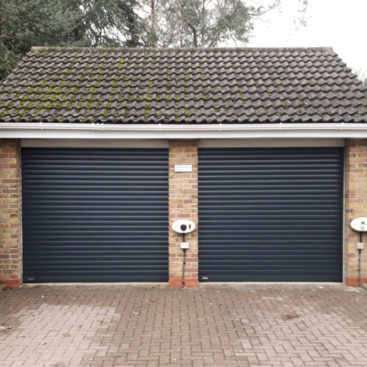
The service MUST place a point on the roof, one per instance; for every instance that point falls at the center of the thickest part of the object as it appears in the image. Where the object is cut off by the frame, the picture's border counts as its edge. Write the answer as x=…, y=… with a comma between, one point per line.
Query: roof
x=202, y=85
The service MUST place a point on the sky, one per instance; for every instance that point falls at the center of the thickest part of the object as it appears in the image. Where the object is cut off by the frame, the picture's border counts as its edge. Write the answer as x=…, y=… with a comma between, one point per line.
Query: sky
x=341, y=24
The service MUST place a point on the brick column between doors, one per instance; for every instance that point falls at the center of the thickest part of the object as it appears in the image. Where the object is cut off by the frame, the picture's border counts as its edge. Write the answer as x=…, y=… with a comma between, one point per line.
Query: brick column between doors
x=10, y=214
x=355, y=206
x=183, y=204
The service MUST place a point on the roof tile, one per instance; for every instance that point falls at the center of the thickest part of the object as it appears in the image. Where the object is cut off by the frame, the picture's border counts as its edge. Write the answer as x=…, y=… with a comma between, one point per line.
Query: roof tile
x=240, y=85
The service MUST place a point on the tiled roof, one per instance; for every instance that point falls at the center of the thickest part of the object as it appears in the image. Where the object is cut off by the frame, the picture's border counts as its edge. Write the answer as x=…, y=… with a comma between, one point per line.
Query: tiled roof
x=238, y=85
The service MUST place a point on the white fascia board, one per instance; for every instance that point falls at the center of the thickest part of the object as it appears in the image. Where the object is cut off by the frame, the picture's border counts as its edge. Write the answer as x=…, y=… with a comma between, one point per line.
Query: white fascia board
x=163, y=143
x=181, y=131
x=87, y=143
x=271, y=143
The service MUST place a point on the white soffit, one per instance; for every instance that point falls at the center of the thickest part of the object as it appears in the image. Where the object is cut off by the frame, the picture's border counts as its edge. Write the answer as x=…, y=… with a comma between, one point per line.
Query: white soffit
x=97, y=143
x=270, y=143
x=204, y=143
x=181, y=131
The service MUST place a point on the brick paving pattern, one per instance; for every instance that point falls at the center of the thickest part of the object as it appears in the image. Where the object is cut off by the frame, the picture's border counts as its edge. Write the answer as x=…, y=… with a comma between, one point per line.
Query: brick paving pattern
x=214, y=325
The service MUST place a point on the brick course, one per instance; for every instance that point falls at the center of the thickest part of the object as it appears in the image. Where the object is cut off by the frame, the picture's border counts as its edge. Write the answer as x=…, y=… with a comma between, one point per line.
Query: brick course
x=355, y=206
x=183, y=204
x=10, y=214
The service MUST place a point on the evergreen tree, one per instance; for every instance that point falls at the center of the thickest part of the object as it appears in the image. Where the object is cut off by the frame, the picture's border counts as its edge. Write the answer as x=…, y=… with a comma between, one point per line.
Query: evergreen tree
x=27, y=23
x=132, y=23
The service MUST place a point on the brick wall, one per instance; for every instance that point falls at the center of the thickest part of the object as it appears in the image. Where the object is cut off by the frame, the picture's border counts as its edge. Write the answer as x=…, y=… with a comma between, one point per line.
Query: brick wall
x=10, y=214
x=183, y=204
x=355, y=206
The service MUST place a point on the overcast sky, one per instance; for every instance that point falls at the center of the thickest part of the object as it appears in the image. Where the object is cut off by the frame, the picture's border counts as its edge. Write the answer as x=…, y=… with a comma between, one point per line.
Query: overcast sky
x=341, y=24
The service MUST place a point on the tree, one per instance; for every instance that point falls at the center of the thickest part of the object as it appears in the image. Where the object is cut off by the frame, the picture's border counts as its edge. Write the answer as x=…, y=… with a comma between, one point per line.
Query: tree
x=132, y=23
x=27, y=23
x=206, y=23
x=199, y=23
x=106, y=22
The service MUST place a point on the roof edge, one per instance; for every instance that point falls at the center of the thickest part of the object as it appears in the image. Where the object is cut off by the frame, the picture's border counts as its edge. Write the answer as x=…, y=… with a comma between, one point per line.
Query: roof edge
x=176, y=49
x=199, y=131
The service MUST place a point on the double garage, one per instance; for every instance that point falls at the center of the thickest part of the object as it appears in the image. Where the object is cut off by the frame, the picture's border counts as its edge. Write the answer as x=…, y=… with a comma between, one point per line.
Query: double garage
x=101, y=215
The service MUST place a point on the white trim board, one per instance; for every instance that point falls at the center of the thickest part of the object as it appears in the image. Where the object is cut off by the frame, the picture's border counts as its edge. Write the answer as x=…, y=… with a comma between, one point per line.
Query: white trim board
x=270, y=143
x=207, y=143
x=41, y=130
x=84, y=143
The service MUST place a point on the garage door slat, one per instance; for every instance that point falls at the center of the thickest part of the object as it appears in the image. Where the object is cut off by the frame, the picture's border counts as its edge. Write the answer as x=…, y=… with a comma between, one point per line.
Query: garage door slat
x=270, y=214
x=95, y=214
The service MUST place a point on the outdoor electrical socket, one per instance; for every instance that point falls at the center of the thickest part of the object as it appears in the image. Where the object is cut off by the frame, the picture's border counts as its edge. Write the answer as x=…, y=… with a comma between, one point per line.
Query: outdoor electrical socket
x=185, y=245
x=360, y=246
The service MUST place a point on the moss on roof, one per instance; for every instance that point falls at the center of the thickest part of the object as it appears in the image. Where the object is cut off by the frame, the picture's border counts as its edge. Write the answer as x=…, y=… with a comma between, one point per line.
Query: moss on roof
x=241, y=85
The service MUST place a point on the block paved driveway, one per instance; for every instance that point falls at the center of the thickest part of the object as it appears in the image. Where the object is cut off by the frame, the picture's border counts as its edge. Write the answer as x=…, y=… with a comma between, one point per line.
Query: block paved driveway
x=216, y=325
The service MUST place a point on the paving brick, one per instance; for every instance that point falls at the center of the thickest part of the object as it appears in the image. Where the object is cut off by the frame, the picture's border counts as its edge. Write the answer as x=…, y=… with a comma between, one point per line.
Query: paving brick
x=214, y=325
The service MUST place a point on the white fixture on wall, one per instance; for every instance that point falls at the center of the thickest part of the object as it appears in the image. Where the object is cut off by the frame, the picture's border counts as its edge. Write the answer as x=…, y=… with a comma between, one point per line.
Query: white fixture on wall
x=183, y=226
x=359, y=224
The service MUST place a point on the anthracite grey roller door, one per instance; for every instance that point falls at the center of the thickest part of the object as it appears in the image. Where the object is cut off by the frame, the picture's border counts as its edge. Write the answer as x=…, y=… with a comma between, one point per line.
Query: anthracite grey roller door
x=95, y=215
x=270, y=214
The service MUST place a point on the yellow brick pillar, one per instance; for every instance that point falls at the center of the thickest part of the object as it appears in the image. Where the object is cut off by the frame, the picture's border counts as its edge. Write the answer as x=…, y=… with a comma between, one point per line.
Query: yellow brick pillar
x=355, y=206
x=183, y=204
x=10, y=214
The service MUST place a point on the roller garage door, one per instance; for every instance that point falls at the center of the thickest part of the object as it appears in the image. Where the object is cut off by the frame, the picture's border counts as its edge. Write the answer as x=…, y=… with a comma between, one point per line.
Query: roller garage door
x=270, y=214
x=94, y=215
